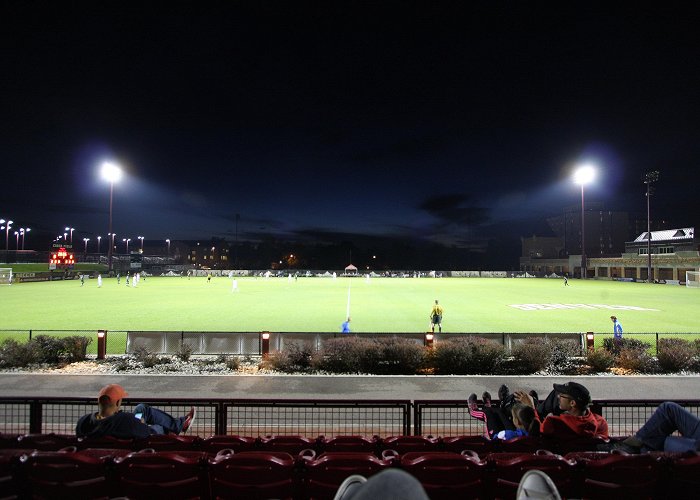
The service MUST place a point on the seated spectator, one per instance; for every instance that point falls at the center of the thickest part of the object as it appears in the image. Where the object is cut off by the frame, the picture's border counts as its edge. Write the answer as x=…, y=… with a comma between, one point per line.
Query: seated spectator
x=576, y=418
x=499, y=420
x=525, y=422
x=655, y=434
x=110, y=420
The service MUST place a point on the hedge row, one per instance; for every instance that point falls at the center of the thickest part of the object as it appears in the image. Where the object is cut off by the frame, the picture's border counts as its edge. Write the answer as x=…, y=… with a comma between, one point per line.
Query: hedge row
x=43, y=349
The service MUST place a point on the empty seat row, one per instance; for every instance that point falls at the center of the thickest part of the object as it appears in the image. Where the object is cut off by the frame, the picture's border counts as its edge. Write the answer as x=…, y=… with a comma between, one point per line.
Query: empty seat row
x=104, y=473
x=295, y=444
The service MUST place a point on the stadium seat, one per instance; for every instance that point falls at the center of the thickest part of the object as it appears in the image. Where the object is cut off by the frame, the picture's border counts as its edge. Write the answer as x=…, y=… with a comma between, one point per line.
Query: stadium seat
x=479, y=444
x=63, y=474
x=447, y=475
x=165, y=474
x=621, y=476
x=253, y=475
x=8, y=441
x=289, y=444
x=404, y=444
x=348, y=443
x=168, y=442
x=684, y=474
x=323, y=474
x=10, y=478
x=521, y=444
x=105, y=442
x=508, y=468
x=47, y=442
x=237, y=444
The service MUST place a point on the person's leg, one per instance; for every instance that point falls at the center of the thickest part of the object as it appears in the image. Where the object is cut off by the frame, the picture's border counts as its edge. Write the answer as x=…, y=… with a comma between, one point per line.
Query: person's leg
x=668, y=418
x=158, y=418
x=391, y=484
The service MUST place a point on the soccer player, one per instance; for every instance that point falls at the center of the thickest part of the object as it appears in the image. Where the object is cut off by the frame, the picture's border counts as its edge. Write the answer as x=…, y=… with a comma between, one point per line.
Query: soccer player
x=566, y=280
x=234, y=285
x=82, y=279
x=345, y=327
x=99, y=281
x=119, y=278
x=127, y=279
x=209, y=278
x=436, y=317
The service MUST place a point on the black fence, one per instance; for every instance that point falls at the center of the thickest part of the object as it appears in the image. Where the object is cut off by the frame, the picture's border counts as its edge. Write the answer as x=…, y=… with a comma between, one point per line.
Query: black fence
x=310, y=418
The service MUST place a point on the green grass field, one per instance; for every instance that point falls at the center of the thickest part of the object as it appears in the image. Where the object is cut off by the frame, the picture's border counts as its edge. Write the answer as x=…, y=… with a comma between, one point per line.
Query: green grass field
x=319, y=305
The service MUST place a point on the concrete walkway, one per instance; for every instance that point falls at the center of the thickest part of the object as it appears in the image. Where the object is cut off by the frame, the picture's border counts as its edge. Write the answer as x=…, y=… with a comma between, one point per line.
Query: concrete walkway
x=338, y=387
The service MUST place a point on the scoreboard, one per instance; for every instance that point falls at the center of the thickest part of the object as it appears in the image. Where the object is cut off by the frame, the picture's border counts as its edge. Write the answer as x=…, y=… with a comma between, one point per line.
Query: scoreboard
x=61, y=257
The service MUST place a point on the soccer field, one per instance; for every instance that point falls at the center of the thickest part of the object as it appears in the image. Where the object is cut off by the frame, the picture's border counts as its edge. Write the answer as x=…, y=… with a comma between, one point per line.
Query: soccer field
x=320, y=305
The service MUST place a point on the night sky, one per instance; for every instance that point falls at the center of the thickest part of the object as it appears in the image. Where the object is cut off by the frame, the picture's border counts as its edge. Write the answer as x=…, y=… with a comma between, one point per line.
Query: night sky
x=314, y=121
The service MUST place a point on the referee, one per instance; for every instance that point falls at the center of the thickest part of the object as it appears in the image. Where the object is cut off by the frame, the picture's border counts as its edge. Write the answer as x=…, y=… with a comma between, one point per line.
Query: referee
x=436, y=317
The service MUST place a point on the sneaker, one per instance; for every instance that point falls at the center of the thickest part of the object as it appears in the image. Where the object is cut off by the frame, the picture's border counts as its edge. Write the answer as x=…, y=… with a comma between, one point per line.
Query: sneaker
x=348, y=487
x=503, y=393
x=486, y=398
x=535, y=396
x=537, y=484
x=189, y=419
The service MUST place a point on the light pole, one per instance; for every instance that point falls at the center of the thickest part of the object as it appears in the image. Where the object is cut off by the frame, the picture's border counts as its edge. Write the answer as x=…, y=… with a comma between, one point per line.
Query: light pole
x=98, y=244
x=17, y=236
x=71, y=229
x=112, y=173
x=168, y=242
x=86, y=241
x=141, y=238
x=6, y=227
x=648, y=179
x=23, y=231
x=126, y=240
x=583, y=175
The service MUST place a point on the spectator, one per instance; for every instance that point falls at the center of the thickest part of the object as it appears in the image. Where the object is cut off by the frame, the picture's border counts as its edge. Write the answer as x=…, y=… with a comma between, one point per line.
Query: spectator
x=499, y=419
x=110, y=420
x=525, y=422
x=655, y=434
x=576, y=418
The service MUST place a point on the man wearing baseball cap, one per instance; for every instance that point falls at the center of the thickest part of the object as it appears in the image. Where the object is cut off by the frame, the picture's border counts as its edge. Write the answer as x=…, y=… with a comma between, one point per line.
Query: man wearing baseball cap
x=110, y=420
x=576, y=418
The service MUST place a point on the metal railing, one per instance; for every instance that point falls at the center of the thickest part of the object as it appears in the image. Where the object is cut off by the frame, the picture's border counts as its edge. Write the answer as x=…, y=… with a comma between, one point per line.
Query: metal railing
x=310, y=418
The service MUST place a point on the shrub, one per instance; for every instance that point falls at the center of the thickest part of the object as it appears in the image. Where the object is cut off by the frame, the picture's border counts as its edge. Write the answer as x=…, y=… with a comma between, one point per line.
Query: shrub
x=394, y=356
x=636, y=360
x=600, y=361
x=75, y=348
x=231, y=362
x=468, y=356
x=615, y=346
x=532, y=355
x=341, y=355
x=49, y=348
x=293, y=359
x=675, y=355
x=564, y=357
x=18, y=355
x=144, y=356
x=184, y=351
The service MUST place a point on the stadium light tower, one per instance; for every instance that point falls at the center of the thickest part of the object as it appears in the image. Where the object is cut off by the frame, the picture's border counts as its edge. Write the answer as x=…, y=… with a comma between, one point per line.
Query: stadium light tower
x=141, y=238
x=71, y=229
x=126, y=240
x=582, y=176
x=98, y=244
x=111, y=172
x=649, y=178
x=17, y=236
x=6, y=227
x=168, y=242
x=86, y=241
x=23, y=232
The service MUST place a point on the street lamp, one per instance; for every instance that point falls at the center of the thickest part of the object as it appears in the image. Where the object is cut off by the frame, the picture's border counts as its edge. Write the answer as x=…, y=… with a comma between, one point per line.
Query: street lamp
x=111, y=173
x=648, y=179
x=141, y=238
x=126, y=240
x=6, y=227
x=583, y=175
x=98, y=244
x=71, y=229
x=168, y=242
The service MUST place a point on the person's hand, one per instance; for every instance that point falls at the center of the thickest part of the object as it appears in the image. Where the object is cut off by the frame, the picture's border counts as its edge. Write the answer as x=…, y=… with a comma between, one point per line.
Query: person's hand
x=524, y=398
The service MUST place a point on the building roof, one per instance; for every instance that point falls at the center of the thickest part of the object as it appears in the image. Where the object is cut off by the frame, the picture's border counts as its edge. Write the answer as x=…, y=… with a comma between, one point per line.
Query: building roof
x=684, y=233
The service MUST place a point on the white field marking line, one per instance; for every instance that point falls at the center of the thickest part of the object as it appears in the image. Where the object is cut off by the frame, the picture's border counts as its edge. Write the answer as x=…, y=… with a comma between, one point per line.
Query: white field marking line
x=552, y=307
x=347, y=311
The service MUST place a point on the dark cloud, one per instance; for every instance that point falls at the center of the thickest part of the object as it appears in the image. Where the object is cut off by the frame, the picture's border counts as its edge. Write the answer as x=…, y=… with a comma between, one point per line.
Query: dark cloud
x=455, y=209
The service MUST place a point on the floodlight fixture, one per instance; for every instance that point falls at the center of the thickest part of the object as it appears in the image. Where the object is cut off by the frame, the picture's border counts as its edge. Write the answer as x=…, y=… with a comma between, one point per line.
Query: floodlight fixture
x=111, y=172
x=583, y=175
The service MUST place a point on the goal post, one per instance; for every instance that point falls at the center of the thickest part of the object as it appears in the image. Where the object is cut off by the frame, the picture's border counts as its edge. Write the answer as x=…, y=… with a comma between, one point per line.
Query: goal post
x=5, y=275
x=692, y=279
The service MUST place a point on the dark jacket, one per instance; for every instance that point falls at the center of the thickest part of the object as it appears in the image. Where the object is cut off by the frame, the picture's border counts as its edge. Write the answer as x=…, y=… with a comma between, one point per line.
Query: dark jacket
x=121, y=425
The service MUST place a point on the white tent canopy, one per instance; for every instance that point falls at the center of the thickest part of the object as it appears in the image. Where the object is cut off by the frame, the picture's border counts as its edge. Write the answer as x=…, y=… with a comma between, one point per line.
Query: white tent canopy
x=350, y=269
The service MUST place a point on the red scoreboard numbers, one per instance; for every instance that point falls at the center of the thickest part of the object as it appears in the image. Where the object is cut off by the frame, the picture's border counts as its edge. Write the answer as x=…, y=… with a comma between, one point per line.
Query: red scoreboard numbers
x=61, y=258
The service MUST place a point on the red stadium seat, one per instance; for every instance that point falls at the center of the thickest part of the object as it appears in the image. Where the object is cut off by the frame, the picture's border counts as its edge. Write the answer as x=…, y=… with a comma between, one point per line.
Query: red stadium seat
x=685, y=476
x=8, y=441
x=47, y=442
x=237, y=444
x=165, y=474
x=62, y=474
x=323, y=474
x=404, y=444
x=289, y=444
x=447, y=475
x=168, y=442
x=508, y=469
x=479, y=444
x=10, y=479
x=253, y=475
x=522, y=444
x=622, y=476
x=105, y=442
x=348, y=443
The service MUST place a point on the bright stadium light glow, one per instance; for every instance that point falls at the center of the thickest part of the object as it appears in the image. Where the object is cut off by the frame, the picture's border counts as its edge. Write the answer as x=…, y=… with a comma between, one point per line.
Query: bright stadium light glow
x=584, y=174
x=111, y=171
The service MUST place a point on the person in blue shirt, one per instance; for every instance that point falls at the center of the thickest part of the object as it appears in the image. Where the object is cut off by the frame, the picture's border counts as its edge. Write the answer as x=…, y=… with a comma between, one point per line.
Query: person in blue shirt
x=345, y=327
x=617, y=328
x=525, y=421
